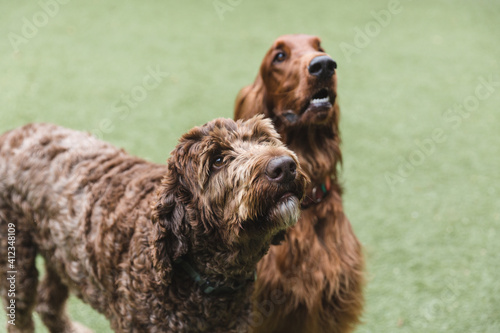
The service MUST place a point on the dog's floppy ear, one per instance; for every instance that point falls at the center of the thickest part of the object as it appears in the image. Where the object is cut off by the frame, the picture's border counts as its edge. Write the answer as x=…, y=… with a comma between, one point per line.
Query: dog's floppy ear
x=251, y=100
x=170, y=215
x=171, y=227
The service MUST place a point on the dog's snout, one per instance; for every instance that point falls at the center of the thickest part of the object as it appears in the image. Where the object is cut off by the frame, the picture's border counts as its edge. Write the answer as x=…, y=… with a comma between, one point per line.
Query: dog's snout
x=281, y=169
x=322, y=66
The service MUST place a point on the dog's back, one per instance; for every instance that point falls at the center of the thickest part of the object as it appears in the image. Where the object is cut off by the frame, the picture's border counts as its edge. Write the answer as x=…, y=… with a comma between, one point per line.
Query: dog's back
x=57, y=188
x=47, y=172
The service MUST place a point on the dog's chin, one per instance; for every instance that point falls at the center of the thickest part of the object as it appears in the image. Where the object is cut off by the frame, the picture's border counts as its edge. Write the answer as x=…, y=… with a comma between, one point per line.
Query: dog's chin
x=271, y=225
x=314, y=110
x=284, y=215
x=286, y=212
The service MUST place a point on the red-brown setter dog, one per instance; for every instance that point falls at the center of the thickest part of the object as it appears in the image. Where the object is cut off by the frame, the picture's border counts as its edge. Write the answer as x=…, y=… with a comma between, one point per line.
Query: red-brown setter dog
x=313, y=281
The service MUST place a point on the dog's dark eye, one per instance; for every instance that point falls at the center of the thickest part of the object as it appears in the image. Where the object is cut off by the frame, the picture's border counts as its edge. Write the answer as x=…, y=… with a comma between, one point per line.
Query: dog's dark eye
x=320, y=49
x=218, y=162
x=279, y=57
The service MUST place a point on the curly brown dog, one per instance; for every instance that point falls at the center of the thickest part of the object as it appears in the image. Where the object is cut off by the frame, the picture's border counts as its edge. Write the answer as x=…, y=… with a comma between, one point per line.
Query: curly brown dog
x=155, y=248
x=319, y=268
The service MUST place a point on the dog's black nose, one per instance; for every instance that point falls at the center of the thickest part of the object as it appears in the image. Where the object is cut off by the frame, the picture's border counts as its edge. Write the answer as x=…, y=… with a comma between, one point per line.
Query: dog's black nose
x=281, y=169
x=322, y=66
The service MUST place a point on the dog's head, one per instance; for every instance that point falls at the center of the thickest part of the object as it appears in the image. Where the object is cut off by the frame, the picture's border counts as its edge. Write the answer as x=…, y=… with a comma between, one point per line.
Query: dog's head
x=232, y=189
x=296, y=85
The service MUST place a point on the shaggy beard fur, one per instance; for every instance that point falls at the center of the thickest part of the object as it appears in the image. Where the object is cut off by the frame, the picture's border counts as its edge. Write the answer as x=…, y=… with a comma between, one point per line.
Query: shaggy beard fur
x=287, y=211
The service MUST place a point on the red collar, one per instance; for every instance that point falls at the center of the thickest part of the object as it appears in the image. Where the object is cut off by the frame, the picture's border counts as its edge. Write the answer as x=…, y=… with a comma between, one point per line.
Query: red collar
x=317, y=193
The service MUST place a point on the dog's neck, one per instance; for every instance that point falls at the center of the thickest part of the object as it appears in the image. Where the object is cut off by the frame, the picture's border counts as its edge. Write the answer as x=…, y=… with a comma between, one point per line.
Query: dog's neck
x=211, y=285
x=317, y=192
x=222, y=272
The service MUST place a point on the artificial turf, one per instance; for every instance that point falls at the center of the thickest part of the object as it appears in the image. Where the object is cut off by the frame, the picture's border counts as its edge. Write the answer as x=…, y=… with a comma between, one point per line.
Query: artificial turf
x=419, y=89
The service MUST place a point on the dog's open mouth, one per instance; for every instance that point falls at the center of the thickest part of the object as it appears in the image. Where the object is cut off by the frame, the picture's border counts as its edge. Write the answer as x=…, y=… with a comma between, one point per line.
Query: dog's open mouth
x=321, y=97
x=322, y=100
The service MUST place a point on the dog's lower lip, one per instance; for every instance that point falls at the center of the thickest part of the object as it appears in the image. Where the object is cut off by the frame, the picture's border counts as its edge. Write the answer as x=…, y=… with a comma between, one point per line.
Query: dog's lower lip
x=320, y=107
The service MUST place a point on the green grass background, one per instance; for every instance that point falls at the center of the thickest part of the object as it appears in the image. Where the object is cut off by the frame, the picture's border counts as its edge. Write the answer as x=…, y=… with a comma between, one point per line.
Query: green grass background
x=432, y=241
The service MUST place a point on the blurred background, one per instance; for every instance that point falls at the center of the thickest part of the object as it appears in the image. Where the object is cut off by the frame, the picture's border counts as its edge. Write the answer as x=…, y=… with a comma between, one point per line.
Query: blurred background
x=419, y=91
